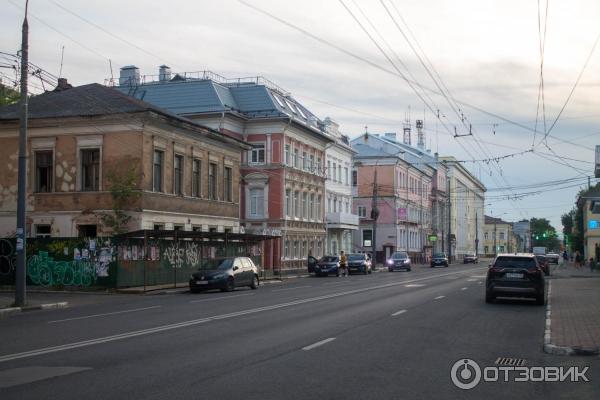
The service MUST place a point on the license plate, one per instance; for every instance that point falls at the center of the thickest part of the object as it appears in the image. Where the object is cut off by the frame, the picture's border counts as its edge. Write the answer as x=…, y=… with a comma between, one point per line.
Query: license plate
x=201, y=282
x=513, y=275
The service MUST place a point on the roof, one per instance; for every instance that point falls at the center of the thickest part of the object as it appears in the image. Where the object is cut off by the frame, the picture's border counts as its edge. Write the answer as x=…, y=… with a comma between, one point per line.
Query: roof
x=96, y=100
x=492, y=220
x=184, y=95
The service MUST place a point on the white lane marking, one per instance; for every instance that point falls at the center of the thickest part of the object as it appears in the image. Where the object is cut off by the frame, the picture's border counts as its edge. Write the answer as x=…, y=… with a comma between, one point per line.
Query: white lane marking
x=102, y=315
x=439, y=297
x=414, y=285
x=184, y=324
x=321, y=343
x=398, y=313
x=290, y=288
x=464, y=288
x=471, y=280
x=479, y=283
x=478, y=276
x=221, y=297
x=336, y=283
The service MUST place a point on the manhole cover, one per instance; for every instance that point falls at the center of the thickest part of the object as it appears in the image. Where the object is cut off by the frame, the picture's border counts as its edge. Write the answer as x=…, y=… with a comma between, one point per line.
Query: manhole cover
x=512, y=362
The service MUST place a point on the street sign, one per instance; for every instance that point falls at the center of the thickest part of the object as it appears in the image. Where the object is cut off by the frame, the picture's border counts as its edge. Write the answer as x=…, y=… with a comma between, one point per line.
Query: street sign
x=432, y=238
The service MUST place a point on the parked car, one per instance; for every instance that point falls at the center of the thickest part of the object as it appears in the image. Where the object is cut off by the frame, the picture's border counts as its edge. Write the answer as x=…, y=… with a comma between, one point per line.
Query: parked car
x=552, y=258
x=324, y=266
x=225, y=274
x=544, y=264
x=470, y=258
x=515, y=275
x=439, y=259
x=398, y=261
x=359, y=262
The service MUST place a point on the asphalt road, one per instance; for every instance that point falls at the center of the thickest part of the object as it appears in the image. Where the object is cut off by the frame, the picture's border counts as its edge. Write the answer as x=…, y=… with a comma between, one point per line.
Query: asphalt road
x=382, y=336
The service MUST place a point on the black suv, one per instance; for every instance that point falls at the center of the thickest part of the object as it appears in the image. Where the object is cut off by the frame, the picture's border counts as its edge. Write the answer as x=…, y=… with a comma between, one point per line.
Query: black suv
x=225, y=274
x=439, y=259
x=515, y=275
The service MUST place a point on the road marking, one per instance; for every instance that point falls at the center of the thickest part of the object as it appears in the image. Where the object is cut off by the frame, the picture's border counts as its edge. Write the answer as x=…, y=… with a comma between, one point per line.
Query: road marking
x=479, y=283
x=464, y=288
x=221, y=297
x=414, y=285
x=24, y=375
x=398, y=313
x=321, y=343
x=194, y=322
x=439, y=297
x=471, y=280
x=478, y=276
x=290, y=288
x=102, y=315
x=336, y=283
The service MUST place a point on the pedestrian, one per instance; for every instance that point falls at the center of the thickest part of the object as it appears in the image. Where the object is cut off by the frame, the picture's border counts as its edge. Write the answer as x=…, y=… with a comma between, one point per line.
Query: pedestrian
x=578, y=259
x=592, y=264
x=343, y=263
x=565, y=256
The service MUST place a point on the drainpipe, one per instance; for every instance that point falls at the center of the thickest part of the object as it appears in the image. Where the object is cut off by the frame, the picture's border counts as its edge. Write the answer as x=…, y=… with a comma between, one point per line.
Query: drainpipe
x=284, y=233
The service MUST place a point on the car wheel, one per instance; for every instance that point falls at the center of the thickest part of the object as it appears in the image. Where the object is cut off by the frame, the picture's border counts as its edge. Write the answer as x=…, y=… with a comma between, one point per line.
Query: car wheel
x=365, y=271
x=446, y=265
x=194, y=290
x=255, y=283
x=230, y=285
x=489, y=297
x=407, y=269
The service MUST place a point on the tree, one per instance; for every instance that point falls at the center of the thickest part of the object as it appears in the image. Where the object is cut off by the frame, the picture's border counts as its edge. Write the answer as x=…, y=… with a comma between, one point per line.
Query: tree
x=8, y=95
x=123, y=190
x=544, y=234
x=568, y=222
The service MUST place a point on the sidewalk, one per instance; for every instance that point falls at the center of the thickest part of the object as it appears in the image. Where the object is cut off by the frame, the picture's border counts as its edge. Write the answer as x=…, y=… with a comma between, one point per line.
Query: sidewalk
x=573, y=312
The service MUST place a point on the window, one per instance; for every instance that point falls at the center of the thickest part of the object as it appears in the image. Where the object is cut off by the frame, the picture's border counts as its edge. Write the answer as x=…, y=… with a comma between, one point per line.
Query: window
x=328, y=169
x=257, y=154
x=485, y=235
x=43, y=171
x=286, y=249
x=501, y=235
x=334, y=172
x=178, y=227
x=354, y=178
x=42, y=231
x=197, y=178
x=304, y=249
x=90, y=169
x=319, y=246
x=86, y=231
x=297, y=204
x=287, y=155
x=288, y=202
x=304, y=161
x=318, y=214
x=295, y=249
x=311, y=206
x=256, y=202
x=485, y=250
x=228, y=181
x=212, y=181
x=158, y=227
x=367, y=237
x=319, y=172
x=178, y=175
x=346, y=176
x=340, y=174
x=362, y=212
x=311, y=163
x=334, y=247
x=305, y=205
x=328, y=204
x=296, y=158
x=157, y=171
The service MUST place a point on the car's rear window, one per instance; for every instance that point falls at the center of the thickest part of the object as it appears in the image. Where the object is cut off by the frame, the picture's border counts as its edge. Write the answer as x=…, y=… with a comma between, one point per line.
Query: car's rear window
x=329, y=259
x=356, y=257
x=515, y=262
x=400, y=255
x=439, y=255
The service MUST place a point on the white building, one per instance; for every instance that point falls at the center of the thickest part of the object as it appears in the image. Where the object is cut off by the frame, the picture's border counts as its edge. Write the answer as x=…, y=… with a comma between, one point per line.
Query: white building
x=340, y=221
x=467, y=198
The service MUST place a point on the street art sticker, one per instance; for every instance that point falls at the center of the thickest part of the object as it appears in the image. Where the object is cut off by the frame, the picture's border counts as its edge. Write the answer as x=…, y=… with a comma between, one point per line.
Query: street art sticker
x=43, y=270
x=182, y=254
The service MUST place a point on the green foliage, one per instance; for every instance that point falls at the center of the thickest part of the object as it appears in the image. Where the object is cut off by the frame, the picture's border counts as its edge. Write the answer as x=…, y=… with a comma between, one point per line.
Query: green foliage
x=123, y=190
x=8, y=95
x=544, y=234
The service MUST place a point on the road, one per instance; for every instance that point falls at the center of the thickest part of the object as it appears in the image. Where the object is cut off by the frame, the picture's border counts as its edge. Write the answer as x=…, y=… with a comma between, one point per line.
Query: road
x=382, y=336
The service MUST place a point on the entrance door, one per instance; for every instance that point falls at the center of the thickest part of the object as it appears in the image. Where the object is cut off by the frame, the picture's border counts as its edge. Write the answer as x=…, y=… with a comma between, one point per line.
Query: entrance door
x=388, y=251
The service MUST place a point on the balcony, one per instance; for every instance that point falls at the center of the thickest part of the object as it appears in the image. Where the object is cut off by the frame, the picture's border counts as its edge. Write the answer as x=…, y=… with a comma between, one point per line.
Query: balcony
x=341, y=220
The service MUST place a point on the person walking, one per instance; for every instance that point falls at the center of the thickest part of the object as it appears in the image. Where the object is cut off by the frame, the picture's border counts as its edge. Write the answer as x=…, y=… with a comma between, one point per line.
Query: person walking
x=578, y=259
x=343, y=263
x=592, y=264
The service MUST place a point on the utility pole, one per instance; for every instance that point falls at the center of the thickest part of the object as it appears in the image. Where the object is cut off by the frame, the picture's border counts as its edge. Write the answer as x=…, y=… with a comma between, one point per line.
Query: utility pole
x=20, y=298
x=476, y=234
x=374, y=216
x=449, y=224
x=495, y=248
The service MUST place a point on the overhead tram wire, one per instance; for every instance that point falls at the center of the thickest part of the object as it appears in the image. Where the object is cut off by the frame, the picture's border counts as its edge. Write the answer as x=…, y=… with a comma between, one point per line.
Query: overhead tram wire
x=541, y=91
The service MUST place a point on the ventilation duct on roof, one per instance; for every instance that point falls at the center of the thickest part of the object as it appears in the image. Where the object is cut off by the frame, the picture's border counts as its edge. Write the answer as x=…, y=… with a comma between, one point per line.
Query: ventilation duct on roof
x=129, y=76
x=164, y=73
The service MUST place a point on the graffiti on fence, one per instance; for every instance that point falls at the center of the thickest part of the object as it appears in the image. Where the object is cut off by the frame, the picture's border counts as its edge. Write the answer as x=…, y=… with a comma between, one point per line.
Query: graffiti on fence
x=8, y=257
x=43, y=270
x=180, y=254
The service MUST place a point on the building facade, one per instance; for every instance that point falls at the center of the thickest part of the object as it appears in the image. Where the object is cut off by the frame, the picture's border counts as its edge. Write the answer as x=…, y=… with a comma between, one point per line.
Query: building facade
x=283, y=173
x=466, y=211
x=84, y=141
x=410, y=186
x=498, y=237
x=522, y=230
x=339, y=216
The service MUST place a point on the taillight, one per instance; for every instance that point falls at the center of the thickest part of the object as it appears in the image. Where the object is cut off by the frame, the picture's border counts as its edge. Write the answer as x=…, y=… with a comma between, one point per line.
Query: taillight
x=534, y=270
x=496, y=269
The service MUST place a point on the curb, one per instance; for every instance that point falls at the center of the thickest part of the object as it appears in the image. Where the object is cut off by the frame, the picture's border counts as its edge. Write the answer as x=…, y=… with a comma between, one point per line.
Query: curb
x=4, y=312
x=550, y=348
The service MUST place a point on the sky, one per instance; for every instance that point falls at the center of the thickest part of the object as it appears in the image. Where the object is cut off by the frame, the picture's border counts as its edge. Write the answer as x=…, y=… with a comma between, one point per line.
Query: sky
x=483, y=74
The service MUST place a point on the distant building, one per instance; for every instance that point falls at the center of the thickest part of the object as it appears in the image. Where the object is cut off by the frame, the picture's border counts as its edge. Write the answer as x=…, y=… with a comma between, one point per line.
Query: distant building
x=590, y=203
x=467, y=195
x=498, y=237
x=83, y=139
x=283, y=174
x=523, y=230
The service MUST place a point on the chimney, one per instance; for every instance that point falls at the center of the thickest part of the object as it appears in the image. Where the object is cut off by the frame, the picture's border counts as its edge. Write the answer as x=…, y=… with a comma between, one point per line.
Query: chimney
x=62, y=85
x=164, y=73
x=130, y=76
x=407, y=136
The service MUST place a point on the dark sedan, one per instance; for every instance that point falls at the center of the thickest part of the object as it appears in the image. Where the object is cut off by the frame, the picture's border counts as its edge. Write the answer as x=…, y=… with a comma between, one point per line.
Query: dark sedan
x=399, y=261
x=358, y=262
x=324, y=266
x=225, y=274
x=439, y=259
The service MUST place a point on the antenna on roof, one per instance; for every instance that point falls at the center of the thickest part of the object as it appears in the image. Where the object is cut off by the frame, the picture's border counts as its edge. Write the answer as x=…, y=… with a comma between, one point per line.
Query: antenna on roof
x=112, y=78
x=62, y=57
